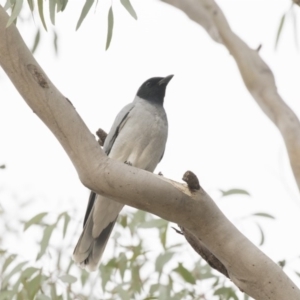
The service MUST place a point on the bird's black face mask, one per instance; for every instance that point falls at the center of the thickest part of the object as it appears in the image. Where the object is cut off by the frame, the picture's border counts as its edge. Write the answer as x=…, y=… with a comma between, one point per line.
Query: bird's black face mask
x=154, y=89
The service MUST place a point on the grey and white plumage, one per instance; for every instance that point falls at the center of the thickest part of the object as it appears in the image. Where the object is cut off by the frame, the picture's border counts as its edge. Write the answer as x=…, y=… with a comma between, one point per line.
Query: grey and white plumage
x=138, y=136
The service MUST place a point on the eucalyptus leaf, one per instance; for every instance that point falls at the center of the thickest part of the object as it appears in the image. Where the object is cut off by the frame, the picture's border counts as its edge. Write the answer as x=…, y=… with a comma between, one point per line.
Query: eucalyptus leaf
x=155, y=223
x=297, y=273
x=162, y=260
x=262, y=235
x=55, y=38
x=84, y=277
x=42, y=297
x=185, y=274
x=8, y=261
x=4, y=295
x=110, y=27
x=86, y=8
x=52, y=6
x=31, y=5
x=234, y=192
x=15, y=270
x=163, y=235
x=281, y=23
x=41, y=12
x=129, y=8
x=68, y=278
x=34, y=285
x=67, y=219
x=15, y=12
x=28, y=272
x=36, y=41
x=264, y=215
x=45, y=240
x=34, y=220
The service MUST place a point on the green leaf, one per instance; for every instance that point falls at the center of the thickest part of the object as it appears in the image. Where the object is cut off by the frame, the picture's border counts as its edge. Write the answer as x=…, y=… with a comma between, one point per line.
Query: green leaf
x=185, y=274
x=28, y=272
x=15, y=12
x=297, y=273
x=8, y=261
x=110, y=27
x=36, y=41
x=227, y=292
x=68, y=278
x=4, y=295
x=234, y=192
x=154, y=288
x=2, y=251
x=136, y=278
x=67, y=219
x=294, y=20
x=202, y=272
x=41, y=12
x=52, y=5
x=129, y=8
x=162, y=260
x=34, y=220
x=8, y=5
x=42, y=297
x=15, y=270
x=64, y=4
x=122, y=264
x=84, y=277
x=123, y=221
x=45, y=240
x=164, y=292
x=55, y=38
x=262, y=236
x=157, y=223
x=86, y=8
x=31, y=5
x=163, y=236
x=264, y=215
x=71, y=263
x=34, y=285
x=105, y=275
x=279, y=30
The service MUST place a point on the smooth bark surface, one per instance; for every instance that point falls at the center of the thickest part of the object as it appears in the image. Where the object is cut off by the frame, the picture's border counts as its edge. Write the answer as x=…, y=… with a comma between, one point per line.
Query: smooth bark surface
x=251, y=270
x=256, y=74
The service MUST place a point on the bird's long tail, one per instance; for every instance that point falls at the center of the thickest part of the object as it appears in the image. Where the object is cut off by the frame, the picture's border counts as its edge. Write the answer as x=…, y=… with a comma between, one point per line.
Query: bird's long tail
x=96, y=232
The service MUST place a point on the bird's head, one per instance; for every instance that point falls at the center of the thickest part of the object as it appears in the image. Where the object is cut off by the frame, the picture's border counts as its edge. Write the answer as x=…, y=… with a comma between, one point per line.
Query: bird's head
x=154, y=89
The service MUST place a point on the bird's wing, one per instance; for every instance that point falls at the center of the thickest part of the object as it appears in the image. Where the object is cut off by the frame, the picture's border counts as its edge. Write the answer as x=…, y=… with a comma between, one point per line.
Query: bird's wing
x=116, y=127
x=89, y=206
x=119, y=122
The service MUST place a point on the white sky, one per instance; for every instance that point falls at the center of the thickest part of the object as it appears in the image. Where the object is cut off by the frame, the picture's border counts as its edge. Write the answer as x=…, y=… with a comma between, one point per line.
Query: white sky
x=216, y=128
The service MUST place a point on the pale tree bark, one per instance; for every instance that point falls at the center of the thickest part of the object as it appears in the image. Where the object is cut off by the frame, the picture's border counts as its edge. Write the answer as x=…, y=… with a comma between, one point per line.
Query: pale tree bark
x=251, y=270
x=256, y=74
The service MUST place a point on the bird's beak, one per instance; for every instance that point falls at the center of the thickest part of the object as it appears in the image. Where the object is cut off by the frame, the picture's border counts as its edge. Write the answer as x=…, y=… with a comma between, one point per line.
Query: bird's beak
x=165, y=80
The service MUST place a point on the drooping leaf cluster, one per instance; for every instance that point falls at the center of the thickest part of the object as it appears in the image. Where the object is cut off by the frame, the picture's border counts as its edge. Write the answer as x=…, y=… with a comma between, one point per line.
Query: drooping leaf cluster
x=57, y=6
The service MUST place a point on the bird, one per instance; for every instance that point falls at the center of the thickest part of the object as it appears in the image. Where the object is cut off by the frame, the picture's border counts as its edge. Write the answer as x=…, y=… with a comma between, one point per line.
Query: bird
x=137, y=137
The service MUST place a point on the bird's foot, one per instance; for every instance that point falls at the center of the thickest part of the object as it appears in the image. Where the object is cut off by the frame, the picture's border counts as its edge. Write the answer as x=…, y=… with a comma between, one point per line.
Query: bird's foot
x=128, y=163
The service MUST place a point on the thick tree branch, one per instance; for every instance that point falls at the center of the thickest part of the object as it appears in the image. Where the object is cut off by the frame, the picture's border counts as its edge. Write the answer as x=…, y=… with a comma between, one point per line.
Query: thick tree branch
x=247, y=266
x=256, y=74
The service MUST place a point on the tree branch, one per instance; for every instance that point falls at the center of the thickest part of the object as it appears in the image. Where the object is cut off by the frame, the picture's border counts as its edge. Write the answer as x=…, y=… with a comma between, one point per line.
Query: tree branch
x=256, y=74
x=247, y=266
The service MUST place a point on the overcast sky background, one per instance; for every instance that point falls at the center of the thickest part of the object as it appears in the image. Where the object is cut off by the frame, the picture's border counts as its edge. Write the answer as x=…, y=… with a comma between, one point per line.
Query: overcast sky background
x=215, y=127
